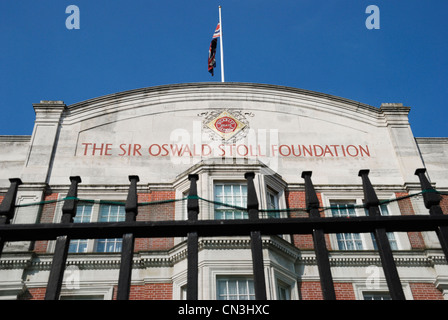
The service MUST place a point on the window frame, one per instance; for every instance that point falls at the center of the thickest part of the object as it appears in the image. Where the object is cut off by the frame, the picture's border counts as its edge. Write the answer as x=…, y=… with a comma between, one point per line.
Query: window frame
x=394, y=243
x=336, y=236
x=116, y=242
x=106, y=292
x=357, y=197
x=78, y=242
x=248, y=279
x=105, y=198
x=244, y=215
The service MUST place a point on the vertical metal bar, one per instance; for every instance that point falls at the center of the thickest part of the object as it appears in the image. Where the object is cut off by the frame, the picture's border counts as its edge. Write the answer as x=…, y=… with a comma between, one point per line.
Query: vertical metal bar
x=255, y=240
x=385, y=251
x=62, y=243
x=323, y=262
x=127, y=246
x=432, y=202
x=192, y=240
x=7, y=207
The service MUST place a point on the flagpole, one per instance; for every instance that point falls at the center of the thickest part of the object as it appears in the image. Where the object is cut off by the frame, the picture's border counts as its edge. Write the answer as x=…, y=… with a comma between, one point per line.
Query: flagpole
x=220, y=42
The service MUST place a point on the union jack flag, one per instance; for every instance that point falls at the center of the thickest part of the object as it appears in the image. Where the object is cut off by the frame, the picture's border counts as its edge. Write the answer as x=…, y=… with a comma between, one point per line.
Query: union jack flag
x=217, y=33
x=211, y=56
x=212, y=49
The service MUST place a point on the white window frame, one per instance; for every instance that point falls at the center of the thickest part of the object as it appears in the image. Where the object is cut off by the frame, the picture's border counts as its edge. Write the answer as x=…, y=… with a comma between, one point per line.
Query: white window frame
x=271, y=195
x=78, y=242
x=357, y=197
x=394, y=243
x=106, y=292
x=250, y=291
x=116, y=242
x=362, y=236
x=242, y=203
x=283, y=286
x=381, y=294
x=104, y=198
x=379, y=286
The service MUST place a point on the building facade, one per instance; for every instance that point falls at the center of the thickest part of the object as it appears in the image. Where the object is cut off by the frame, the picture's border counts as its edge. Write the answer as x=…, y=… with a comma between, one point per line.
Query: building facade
x=220, y=131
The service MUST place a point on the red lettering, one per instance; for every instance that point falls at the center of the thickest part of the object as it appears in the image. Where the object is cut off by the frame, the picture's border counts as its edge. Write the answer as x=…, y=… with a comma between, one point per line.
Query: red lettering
x=309, y=151
x=194, y=151
x=238, y=150
x=221, y=147
x=350, y=154
x=137, y=148
x=274, y=148
x=365, y=151
x=209, y=152
x=164, y=147
x=122, y=149
x=175, y=149
x=335, y=149
x=294, y=154
x=185, y=150
x=107, y=150
x=154, y=154
x=284, y=146
x=260, y=153
x=327, y=150
x=85, y=148
x=321, y=151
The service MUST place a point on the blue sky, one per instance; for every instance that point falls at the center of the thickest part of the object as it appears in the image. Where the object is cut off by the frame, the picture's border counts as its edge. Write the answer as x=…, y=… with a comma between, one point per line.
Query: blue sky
x=319, y=45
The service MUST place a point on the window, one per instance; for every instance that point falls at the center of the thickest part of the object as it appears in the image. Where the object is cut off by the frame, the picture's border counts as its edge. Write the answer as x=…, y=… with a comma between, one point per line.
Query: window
x=232, y=194
x=284, y=291
x=83, y=214
x=110, y=213
x=272, y=204
x=235, y=289
x=90, y=212
x=346, y=241
x=81, y=297
x=376, y=296
x=390, y=235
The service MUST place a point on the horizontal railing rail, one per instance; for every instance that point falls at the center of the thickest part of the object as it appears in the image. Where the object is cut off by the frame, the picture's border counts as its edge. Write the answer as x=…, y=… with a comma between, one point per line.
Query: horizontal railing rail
x=317, y=226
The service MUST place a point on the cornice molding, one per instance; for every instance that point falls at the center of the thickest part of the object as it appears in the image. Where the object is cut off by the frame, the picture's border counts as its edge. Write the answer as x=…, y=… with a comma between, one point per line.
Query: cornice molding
x=93, y=261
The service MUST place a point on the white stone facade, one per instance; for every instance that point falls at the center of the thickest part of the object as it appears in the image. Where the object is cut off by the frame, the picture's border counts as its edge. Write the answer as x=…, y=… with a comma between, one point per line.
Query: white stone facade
x=163, y=133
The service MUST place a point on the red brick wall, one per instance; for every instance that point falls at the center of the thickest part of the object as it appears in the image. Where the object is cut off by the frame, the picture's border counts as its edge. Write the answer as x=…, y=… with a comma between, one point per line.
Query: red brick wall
x=296, y=199
x=344, y=291
x=311, y=290
x=425, y=291
x=34, y=294
x=47, y=216
x=405, y=205
x=146, y=213
x=156, y=212
x=444, y=204
x=150, y=291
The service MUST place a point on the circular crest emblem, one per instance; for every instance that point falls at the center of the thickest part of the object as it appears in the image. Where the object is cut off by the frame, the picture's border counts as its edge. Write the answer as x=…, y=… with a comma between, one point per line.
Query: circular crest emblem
x=225, y=125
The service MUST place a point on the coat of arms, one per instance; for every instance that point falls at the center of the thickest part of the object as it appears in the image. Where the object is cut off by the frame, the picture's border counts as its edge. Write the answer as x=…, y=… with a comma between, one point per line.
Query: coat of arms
x=226, y=125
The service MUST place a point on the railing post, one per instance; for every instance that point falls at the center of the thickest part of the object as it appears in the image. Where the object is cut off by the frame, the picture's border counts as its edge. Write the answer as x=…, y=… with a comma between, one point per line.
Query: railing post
x=320, y=247
x=8, y=205
x=192, y=239
x=255, y=239
x=127, y=246
x=432, y=202
x=62, y=243
x=385, y=251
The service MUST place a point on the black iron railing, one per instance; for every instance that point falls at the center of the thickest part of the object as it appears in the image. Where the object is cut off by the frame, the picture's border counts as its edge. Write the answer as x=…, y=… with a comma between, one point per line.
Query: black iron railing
x=192, y=229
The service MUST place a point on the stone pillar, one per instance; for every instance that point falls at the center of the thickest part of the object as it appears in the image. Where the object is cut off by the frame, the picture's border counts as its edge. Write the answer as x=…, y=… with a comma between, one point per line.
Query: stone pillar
x=37, y=166
x=402, y=138
x=43, y=141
